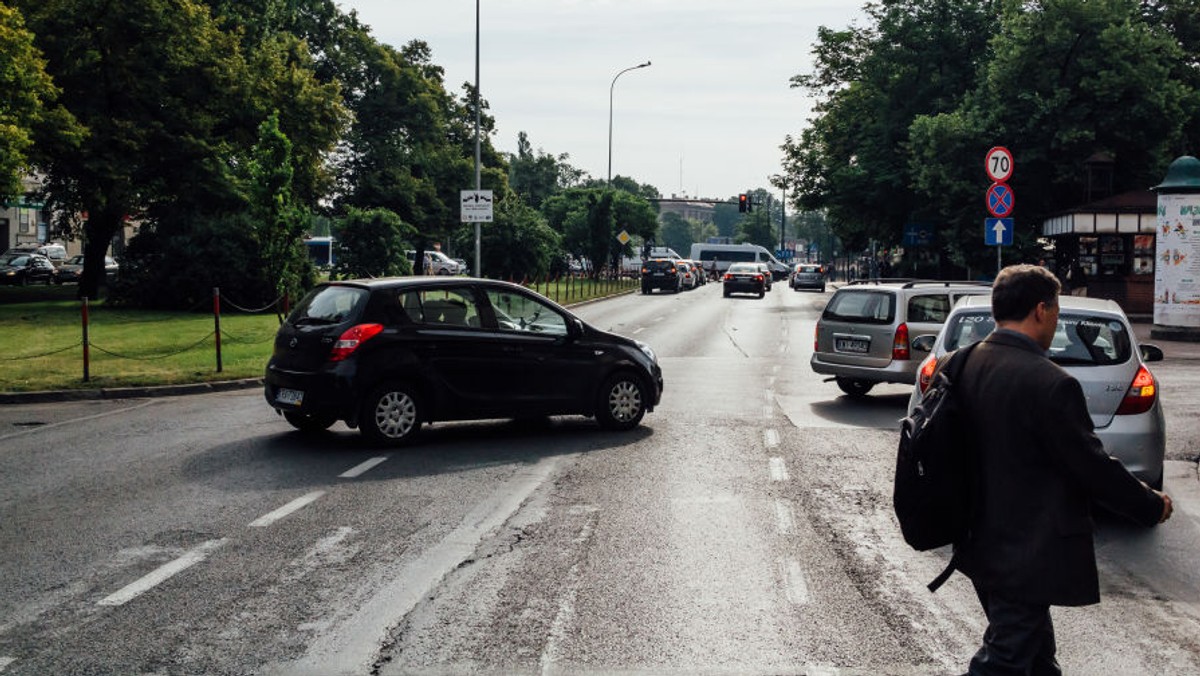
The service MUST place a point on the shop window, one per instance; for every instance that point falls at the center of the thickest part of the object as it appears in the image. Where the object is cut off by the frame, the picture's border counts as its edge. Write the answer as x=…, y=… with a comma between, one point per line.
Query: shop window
x=1143, y=254
x=1113, y=256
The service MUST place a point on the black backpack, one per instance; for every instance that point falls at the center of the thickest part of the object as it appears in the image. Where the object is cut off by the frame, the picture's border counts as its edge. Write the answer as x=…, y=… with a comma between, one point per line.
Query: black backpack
x=934, y=467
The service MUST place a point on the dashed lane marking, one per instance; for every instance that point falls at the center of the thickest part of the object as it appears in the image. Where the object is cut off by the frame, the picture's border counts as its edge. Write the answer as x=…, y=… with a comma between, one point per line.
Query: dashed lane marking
x=771, y=438
x=797, y=587
x=778, y=470
x=638, y=330
x=299, y=503
x=5, y=661
x=785, y=521
x=161, y=574
x=359, y=470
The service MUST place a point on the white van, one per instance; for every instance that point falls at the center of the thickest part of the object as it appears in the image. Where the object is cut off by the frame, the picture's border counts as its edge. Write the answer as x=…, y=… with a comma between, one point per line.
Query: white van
x=724, y=254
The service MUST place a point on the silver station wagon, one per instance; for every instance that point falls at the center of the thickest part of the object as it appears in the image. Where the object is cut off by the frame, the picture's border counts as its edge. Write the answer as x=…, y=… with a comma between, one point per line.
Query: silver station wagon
x=1094, y=343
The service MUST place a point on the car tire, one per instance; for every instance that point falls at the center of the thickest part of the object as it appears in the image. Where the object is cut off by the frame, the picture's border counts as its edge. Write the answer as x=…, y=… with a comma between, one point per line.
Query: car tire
x=621, y=403
x=854, y=388
x=309, y=424
x=392, y=414
x=761, y=293
x=822, y=288
x=726, y=291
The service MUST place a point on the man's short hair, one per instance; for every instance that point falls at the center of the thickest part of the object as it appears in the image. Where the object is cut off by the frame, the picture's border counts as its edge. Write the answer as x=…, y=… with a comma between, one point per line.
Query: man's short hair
x=1019, y=288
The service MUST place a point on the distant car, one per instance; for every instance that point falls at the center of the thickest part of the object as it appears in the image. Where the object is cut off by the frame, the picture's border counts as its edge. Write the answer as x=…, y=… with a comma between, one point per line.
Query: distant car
x=389, y=355
x=689, y=273
x=768, y=275
x=436, y=263
x=22, y=268
x=56, y=252
x=72, y=269
x=864, y=335
x=698, y=272
x=745, y=278
x=1094, y=343
x=808, y=276
x=661, y=273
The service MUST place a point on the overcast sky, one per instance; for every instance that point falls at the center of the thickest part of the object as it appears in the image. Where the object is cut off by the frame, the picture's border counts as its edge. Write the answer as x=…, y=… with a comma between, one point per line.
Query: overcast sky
x=705, y=120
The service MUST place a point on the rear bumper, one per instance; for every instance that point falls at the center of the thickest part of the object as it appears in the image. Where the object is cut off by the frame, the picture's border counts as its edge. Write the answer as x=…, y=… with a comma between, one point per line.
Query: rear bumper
x=897, y=371
x=744, y=287
x=325, y=392
x=1139, y=442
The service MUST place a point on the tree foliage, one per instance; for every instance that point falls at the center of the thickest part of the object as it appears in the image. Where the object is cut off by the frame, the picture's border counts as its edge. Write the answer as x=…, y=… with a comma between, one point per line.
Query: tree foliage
x=518, y=244
x=372, y=243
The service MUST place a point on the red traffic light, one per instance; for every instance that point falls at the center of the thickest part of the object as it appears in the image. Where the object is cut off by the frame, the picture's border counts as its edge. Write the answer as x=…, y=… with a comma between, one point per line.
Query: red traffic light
x=743, y=202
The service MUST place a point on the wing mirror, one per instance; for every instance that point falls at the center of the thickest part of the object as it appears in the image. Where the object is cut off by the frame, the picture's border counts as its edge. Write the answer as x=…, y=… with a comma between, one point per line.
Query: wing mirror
x=1151, y=353
x=924, y=343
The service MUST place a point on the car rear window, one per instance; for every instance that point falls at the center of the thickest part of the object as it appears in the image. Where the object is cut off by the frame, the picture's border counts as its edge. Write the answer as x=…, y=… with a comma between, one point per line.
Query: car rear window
x=808, y=268
x=930, y=309
x=329, y=305
x=864, y=307
x=1079, y=340
x=744, y=267
x=659, y=265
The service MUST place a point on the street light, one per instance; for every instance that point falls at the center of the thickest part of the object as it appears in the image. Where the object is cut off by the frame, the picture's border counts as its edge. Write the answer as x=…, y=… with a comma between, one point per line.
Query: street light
x=610, y=113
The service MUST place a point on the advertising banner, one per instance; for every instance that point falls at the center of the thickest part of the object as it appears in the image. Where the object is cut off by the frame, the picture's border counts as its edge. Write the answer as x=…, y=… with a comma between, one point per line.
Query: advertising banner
x=1177, y=273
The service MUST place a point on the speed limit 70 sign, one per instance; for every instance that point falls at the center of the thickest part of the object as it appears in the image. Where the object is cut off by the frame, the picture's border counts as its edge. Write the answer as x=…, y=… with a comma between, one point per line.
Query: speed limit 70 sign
x=999, y=164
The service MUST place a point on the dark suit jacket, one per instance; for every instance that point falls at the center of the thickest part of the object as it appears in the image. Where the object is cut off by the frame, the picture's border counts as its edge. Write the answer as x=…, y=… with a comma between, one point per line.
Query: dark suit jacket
x=1040, y=467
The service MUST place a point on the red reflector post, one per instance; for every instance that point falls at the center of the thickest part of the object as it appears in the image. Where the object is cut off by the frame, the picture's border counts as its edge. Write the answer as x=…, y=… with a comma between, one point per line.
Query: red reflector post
x=352, y=338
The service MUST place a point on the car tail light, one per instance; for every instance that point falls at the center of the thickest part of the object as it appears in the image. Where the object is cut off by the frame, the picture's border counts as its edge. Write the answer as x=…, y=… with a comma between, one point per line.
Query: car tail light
x=728, y=276
x=1141, y=395
x=645, y=270
x=900, y=343
x=758, y=277
x=925, y=375
x=352, y=338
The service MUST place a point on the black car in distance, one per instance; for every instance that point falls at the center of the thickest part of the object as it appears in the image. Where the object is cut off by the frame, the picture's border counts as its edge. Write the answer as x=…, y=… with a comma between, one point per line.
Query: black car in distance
x=744, y=278
x=389, y=355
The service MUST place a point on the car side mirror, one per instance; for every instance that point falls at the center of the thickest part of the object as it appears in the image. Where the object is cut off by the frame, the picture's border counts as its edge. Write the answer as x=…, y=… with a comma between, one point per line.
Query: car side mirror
x=924, y=343
x=574, y=329
x=1151, y=353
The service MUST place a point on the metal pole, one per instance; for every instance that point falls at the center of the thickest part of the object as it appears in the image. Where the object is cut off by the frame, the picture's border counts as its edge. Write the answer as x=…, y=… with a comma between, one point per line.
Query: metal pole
x=610, y=114
x=217, y=322
x=998, y=264
x=478, y=186
x=87, y=357
x=782, y=217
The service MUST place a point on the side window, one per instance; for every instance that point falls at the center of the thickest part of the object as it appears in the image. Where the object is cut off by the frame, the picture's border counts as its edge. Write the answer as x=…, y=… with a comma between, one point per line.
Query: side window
x=931, y=309
x=518, y=312
x=440, y=307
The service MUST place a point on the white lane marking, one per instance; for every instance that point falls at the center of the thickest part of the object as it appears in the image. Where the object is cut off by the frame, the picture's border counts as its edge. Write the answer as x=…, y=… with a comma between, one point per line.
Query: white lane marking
x=660, y=318
x=359, y=470
x=768, y=411
x=638, y=330
x=300, y=502
x=785, y=520
x=771, y=438
x=161, y=574
x=797, y=588
x=351, y=646
x=5, y=661
x=778, y=470
x=72, y=421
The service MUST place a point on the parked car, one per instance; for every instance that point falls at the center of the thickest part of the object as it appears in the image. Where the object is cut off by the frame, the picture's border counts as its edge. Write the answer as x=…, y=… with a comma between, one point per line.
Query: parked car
x=689, y=273
x=57, y=253
x=72, y=269
x=389, y=355
x=1095, y=343
x=864, y=335
x=26, y=268
x=745, y=278
x=661, y=273
x=808, y=276
x=436, y=263
x=700, y=274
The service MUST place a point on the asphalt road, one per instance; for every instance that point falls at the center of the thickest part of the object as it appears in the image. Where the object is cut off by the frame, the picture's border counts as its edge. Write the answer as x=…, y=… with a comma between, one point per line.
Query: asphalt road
x=746, y=527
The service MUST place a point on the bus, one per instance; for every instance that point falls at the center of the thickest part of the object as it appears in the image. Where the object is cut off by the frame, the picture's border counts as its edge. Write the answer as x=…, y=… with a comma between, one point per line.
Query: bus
x=320, y=250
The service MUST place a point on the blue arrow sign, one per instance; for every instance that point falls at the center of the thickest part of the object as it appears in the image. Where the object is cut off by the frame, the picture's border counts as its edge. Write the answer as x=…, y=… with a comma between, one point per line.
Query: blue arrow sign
x=998, y=231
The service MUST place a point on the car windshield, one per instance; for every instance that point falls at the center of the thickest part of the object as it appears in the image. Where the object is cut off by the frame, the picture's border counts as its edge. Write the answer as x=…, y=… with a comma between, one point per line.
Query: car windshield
x=1080, y=339
x=867, y=307
x=744, y=267
x=15, y=259
x=329, y=305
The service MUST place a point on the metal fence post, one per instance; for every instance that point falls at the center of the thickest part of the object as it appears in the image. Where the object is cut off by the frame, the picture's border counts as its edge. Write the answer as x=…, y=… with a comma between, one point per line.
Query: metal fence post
x=217, y=322
x=86, y=346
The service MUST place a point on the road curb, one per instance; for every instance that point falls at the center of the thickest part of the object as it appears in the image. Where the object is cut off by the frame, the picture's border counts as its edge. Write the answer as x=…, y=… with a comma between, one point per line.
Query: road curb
x=46, y=396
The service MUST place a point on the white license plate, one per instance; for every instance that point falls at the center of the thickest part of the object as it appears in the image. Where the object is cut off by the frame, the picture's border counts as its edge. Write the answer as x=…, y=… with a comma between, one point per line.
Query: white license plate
x=291, y=397
x=852, y=345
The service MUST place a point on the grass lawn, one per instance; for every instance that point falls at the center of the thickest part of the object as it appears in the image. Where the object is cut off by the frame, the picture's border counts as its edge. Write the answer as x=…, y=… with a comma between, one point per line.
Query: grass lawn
x=41, y=339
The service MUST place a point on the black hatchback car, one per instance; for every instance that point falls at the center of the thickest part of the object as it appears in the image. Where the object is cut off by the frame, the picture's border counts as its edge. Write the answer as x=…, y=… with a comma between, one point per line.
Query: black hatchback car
x=388, y=355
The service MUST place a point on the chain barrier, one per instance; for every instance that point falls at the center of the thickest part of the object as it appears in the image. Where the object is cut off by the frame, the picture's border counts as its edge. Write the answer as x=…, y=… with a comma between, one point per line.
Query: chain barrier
x=157, y=356
x=271, y=306
x=43, y=354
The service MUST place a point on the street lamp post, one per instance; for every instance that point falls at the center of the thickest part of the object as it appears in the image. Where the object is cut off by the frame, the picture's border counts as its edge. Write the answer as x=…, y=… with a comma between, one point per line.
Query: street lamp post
x=610, y=114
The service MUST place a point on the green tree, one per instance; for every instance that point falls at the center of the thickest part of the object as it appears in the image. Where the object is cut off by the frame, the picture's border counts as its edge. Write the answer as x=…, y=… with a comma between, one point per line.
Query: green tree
x=517, y=244
x=915, y=57
x=372, y=243
x=676, y=232
x=758, y=228
x=29, y=102
x=537, y=176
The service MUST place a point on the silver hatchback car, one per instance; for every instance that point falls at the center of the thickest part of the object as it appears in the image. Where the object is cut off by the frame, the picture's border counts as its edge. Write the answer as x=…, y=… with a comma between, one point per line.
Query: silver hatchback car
x=1095, y=343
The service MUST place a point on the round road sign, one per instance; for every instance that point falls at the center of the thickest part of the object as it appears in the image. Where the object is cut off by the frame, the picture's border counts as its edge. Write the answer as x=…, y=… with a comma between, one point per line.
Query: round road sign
x=999, y=164
x=1000, y=200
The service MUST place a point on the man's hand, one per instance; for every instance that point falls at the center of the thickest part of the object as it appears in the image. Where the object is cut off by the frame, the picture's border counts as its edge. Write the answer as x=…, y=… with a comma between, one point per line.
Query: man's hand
x=1167, y=507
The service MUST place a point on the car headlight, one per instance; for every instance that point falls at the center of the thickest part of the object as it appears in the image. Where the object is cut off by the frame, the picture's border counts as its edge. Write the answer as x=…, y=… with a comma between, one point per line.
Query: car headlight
x=646, y=350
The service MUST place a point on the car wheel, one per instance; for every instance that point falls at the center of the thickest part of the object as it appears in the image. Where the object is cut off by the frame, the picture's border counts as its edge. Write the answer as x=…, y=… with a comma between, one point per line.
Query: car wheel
x=822, y=288
x=622, y=402
x=726, y=293
x=645, y=291
x=761, y=293
x=309, y=423
x=855, y=388
x=392, y=414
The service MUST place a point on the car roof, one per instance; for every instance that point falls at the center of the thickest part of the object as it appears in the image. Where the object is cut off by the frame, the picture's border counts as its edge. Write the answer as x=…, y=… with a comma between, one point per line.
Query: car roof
x=1083, y=303
x=424, y=281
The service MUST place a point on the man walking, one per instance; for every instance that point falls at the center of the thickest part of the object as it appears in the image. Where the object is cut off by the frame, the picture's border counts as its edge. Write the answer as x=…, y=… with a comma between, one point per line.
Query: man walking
x=1040, y=468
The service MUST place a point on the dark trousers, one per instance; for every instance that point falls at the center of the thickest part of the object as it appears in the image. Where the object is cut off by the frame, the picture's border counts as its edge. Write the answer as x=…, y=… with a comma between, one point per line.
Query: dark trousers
x=1019, y=639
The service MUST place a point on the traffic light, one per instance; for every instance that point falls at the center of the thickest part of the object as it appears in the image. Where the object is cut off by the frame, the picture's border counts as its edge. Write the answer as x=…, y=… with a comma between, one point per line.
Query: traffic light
x=743, y=203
